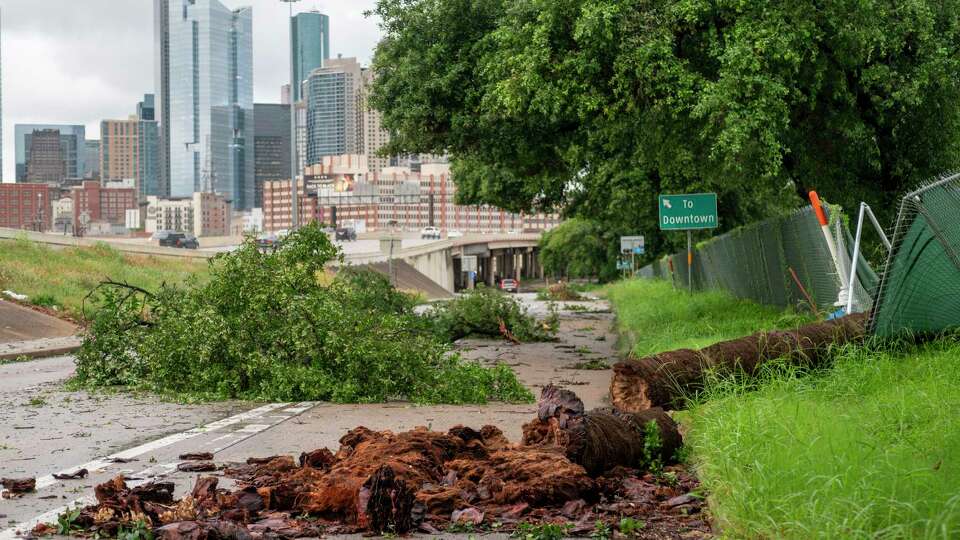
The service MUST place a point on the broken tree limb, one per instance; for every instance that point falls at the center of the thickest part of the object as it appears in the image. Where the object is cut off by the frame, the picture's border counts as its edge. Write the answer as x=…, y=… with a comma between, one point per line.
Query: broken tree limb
x=601, y=439
x=666, y=379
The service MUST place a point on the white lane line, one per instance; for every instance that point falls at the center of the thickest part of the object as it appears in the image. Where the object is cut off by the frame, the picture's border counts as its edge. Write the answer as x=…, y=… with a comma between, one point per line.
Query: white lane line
x=101, y=463
x=156, y=471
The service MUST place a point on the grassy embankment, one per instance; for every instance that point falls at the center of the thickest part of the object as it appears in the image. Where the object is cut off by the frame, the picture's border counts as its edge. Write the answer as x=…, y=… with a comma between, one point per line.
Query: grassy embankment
x=865, y=449
x=62, y=277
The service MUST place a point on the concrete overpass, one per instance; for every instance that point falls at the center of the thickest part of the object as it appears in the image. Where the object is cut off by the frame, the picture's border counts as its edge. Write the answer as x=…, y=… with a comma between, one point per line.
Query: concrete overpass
x=498, y=255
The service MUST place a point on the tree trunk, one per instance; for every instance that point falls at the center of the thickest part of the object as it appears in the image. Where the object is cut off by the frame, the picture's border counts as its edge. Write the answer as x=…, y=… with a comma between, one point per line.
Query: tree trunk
x=666, y=379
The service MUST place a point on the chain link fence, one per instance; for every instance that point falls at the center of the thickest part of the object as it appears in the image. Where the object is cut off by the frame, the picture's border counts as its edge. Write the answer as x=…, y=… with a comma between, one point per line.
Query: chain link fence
x=782, y=261
x=920, y=290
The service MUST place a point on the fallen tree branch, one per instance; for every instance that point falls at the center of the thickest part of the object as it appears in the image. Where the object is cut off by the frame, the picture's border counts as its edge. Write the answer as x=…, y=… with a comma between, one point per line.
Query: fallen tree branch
x=666, y=379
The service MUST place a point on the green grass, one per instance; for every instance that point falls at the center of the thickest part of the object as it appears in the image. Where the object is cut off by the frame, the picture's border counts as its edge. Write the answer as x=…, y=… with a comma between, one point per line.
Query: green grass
x=867, y=449
x=62, y=277
x=654, y=317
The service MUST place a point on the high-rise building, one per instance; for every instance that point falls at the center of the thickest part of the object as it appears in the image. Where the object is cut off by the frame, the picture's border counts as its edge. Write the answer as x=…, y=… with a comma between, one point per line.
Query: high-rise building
x=119, y=149
x=91, y=158
x=374, y=137
x=271, y=143
x=149, y=173
x=129, y=149
x=333, y=110
x=310, y=33
x=67, y=141
x=161, y=81
x=205, y=84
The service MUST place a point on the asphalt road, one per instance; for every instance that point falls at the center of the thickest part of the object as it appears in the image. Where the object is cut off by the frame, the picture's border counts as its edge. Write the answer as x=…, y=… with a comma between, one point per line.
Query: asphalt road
x=18, y=323
x=45, y=429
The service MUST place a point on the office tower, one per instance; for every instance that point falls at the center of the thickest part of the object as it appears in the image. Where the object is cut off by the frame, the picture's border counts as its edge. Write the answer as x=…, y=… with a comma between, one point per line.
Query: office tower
x=205, y=84
x=310, y=33
x=373, y=137
x=129, y=149
x=334, y=110
x=149, y=172
x=119, y=149
x=271, y=142
x=91, y=158
x=49, y=153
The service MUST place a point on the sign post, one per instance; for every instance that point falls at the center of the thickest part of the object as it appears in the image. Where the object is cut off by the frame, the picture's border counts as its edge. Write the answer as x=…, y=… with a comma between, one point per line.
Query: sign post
x=688, y=212
x=633, y=246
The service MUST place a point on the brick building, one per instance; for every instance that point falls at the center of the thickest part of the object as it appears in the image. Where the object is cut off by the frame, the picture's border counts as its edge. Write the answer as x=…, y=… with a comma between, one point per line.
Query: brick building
x=24, y=206
x=340, y=190
x=94, y=203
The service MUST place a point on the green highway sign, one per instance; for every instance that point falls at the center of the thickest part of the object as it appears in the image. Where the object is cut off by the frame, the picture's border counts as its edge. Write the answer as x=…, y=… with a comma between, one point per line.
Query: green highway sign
x=690, y=211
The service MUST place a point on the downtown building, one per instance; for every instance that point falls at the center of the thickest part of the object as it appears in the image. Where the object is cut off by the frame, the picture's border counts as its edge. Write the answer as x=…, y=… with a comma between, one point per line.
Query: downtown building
x=130, y=149
x=204, y=62
x=271, y=143
x=49, y=153
x=341, y=191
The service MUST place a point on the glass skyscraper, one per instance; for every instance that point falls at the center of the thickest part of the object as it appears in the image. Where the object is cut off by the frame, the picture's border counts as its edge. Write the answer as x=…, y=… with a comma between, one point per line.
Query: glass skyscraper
x=333, y=110
x=311, y=46
x=205, y=87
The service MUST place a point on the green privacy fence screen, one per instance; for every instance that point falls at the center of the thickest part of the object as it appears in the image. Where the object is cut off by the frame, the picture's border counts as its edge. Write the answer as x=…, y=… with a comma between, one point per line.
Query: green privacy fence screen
x=920, y=290
x=755, y=262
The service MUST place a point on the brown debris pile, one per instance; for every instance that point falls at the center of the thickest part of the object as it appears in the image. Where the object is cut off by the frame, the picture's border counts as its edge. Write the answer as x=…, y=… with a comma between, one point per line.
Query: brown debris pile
x=662, y=380
x=422, y=480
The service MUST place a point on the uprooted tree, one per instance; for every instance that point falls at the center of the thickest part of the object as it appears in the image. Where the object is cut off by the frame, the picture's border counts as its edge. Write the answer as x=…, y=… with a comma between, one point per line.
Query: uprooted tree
x=274, y=326
x=669, y=378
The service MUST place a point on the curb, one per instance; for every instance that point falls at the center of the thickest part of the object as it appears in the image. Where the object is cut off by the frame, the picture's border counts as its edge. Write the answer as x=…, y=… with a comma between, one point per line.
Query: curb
x=41, y=348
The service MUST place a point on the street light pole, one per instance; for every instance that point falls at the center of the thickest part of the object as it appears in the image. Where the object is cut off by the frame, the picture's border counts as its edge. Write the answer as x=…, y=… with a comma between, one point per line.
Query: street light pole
x=294, y=196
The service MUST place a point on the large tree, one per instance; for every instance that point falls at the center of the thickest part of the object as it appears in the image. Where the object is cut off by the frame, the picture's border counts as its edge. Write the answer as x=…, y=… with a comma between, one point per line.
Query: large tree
x=595, y=106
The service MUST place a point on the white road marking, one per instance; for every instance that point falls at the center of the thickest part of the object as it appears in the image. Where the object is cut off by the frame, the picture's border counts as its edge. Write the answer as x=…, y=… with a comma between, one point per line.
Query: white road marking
x=155, y=471
x=101, y=463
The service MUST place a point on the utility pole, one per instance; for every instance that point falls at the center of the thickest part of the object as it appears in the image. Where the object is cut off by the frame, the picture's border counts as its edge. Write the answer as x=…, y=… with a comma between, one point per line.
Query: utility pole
x=294, y=195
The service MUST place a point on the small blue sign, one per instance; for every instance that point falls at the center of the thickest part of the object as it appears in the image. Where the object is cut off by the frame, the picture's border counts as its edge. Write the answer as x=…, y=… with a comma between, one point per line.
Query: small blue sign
x=638, y=250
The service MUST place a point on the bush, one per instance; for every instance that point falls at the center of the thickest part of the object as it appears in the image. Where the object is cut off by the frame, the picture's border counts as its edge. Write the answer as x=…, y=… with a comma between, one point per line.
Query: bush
x=263, y=327
x=479, y=313
x=559, y=292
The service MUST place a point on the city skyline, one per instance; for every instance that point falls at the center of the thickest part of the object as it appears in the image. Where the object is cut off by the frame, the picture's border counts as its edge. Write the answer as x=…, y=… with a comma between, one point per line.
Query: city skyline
x=63, y=46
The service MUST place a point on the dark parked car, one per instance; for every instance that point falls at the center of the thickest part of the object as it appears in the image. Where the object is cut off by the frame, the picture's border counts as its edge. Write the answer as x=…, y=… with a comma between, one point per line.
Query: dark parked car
x=177, y=240
x=346, y=234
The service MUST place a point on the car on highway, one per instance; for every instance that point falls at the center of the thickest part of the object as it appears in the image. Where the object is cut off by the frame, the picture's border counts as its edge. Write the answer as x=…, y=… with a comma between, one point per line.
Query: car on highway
x=509, y=285
x=430, y=233
x=267, y=241
x=454, y=234
x=176, y=240
x=346, y=234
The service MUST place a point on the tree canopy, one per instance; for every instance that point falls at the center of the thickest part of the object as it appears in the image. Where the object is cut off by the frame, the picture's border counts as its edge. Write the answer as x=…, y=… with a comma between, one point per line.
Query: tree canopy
x=594, y=107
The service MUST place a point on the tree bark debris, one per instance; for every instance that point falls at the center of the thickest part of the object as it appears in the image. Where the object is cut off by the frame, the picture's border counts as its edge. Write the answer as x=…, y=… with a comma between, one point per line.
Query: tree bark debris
x=422, y=480
x=665, y=379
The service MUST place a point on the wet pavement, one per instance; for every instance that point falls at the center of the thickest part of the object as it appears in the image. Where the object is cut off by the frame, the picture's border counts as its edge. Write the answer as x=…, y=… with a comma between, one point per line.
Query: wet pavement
x=45, y=429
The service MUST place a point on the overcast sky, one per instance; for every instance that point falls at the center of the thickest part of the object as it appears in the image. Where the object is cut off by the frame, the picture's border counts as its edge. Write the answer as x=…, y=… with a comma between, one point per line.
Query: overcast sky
x=81, y=61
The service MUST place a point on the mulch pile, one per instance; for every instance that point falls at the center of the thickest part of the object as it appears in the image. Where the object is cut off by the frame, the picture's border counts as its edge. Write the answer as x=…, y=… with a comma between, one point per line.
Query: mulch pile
x=427, y=481
x=666, y=379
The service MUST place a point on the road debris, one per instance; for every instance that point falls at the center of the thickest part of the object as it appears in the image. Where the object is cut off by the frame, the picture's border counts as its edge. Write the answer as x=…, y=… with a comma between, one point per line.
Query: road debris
x=197, y=466
x=663, y=380
x=78, y=475
x=428, y=481
x=17, y=486
x=196, y=456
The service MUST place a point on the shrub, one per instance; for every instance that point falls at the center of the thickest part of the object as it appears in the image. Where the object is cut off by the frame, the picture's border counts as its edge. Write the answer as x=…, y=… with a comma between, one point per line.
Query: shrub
x=559, y=292
x=479, y=313
x=262, y=326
